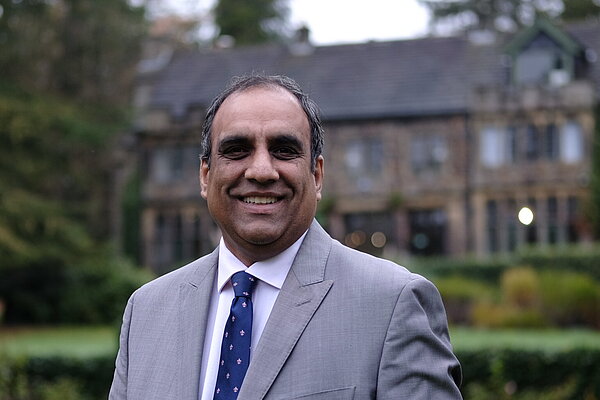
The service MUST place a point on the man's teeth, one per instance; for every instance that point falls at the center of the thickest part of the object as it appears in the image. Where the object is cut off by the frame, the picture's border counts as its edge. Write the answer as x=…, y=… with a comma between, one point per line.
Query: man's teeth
x=260, y=200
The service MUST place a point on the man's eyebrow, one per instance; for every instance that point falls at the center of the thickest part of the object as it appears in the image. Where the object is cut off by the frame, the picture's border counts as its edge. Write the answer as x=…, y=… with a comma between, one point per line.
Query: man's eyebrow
x=289, y=140
x=237, y=139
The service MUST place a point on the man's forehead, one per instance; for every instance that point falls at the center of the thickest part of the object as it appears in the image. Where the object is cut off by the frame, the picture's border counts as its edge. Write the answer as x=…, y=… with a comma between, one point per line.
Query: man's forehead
x=258, y=91
x=272, y=104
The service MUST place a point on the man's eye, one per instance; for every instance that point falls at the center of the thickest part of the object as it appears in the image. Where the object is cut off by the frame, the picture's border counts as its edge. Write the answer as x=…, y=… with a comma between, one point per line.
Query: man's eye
x=234, y=152
x=285, y=153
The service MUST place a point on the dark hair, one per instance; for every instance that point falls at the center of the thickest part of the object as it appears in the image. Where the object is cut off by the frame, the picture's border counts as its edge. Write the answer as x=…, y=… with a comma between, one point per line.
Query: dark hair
x=240, y=84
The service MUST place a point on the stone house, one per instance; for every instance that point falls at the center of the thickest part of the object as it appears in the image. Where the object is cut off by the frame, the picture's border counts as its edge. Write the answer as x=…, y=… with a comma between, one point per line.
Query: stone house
x=432, y=145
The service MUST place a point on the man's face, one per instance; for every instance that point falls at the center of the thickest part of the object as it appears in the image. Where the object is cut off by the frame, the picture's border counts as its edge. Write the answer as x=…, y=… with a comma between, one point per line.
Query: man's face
x=260, y=188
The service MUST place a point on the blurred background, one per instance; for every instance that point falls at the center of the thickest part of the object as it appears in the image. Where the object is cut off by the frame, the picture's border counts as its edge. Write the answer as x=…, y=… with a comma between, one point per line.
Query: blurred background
x=462, y=141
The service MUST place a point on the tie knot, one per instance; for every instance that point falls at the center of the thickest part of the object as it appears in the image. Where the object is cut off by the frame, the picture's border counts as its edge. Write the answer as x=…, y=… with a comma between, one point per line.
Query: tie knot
x=243, y=283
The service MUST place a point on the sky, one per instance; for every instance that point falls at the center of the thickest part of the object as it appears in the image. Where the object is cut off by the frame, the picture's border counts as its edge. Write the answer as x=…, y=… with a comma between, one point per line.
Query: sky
x=340, y=21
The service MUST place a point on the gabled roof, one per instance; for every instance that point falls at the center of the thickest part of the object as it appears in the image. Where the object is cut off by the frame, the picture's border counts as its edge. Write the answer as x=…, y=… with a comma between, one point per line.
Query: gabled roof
x=543, y=25
x=357, y=81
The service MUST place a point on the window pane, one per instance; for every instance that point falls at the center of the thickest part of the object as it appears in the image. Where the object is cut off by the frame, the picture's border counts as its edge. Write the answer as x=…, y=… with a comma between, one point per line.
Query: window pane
x=571, y=143
x=492, y=147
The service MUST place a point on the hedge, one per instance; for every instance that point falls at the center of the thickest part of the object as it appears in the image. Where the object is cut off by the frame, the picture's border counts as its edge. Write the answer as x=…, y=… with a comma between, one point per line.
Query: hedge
x=575, y=258
x=533, y=370
x=493, y=368
x=51, y=293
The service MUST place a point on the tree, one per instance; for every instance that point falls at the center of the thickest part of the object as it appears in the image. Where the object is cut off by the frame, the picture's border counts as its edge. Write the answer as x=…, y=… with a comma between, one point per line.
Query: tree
x=67, y=69
x=83, y=49
x=252, y=21
x=503, y=15
x=580, y=9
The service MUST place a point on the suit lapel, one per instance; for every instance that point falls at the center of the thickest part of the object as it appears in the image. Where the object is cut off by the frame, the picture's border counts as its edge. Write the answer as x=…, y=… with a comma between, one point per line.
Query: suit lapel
x=301, y=294
x=194, y=303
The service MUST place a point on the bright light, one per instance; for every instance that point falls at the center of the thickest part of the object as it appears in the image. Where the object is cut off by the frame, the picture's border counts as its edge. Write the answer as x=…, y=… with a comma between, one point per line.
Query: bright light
x=378, y=239
x=525, y=216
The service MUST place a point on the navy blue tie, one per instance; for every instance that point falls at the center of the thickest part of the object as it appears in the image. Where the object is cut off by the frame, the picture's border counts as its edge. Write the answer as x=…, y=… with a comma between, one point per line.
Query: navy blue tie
x=237, y=338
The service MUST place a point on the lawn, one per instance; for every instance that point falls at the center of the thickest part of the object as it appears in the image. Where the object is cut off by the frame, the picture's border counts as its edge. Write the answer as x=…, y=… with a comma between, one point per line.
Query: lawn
x=92, y=341
x=544, y=340
x=68, y=341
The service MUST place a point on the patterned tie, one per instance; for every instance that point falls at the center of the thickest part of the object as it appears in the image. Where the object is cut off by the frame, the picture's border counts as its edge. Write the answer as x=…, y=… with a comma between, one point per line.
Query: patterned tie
x=235, y=350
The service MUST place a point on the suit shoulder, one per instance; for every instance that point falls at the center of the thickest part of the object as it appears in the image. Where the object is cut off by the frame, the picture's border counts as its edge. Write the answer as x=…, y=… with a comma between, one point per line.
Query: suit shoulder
x=351, y=262
x=191, y=272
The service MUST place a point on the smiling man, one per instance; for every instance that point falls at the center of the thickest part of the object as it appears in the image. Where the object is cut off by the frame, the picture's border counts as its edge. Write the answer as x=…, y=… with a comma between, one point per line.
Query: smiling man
x=280, y=310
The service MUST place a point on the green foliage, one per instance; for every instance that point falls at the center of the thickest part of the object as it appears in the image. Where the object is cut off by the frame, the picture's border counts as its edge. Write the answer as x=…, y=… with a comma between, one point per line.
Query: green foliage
x=521, y=287
x=53, y=378
x=504, y=15
x=131, y=206
x=571, y=298
x=580, y=9
x=532, y=299
x=577, y=258
x=54, y=177
x=593, y=207
x=488, y=271
x=251, y=22
x=496, y=372
x=85, y=49
x=461, y=294
x=94, y=291
x=53, y=172
x=502, y=373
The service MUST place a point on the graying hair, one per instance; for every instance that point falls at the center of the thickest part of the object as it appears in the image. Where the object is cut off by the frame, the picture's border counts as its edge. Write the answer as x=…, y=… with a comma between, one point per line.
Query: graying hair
x=240, y=84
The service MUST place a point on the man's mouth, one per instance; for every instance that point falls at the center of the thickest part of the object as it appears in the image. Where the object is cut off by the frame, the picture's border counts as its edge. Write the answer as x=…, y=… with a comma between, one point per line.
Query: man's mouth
x=259, y=200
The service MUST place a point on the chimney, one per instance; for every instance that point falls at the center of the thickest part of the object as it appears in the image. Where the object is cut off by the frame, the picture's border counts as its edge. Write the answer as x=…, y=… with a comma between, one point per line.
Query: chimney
x=301, y=45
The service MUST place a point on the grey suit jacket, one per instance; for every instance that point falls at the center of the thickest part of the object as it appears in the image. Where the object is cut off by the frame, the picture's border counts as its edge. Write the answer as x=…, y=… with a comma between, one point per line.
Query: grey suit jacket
x=346, y=325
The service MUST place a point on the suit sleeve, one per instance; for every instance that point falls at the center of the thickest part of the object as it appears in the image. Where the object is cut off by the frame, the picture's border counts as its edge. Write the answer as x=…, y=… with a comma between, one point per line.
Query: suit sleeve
x=417, y=360
x=118, y=389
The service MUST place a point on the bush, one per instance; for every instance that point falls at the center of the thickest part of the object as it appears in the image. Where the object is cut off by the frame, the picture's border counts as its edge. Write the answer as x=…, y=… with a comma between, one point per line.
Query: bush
x=54, y=378
x=518, y=373
x=91, y=292
x=583, y=259
x=460, y=295
x=573, y=374
x=571, y=298
x=489, y=315
x=520, y=288
x=488, y=271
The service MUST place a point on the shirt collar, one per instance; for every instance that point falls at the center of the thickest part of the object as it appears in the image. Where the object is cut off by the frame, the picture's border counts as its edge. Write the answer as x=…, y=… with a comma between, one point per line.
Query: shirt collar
x=272, y=271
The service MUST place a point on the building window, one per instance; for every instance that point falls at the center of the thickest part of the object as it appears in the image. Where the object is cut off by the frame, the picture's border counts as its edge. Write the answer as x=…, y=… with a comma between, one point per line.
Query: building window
x=428, y=232
x=552, y=212
x=571, y=143
x=572, y=219
x=428, y=153
x=551, y=142
x=492, y=225
x=167, y=164
x=543, y=62
x=532, y=143
x=364, y=161
x=369, y=232
x=531, y=236
x=511, y=224
x=492, y=145
x=512, y=148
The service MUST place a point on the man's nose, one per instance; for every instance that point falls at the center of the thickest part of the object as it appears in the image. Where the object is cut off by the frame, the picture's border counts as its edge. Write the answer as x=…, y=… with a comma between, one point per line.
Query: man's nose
x=261, y=168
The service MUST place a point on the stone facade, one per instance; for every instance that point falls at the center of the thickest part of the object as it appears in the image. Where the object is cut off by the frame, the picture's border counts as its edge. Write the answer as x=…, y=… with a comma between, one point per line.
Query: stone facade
x=421, y=158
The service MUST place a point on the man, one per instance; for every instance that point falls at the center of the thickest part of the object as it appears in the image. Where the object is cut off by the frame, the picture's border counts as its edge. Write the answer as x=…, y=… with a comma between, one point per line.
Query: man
x=328, y=322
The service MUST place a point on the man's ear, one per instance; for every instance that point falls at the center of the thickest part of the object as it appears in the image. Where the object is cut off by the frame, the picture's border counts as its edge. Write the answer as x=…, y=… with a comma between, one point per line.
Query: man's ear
x=318, y=174
x=204, y=176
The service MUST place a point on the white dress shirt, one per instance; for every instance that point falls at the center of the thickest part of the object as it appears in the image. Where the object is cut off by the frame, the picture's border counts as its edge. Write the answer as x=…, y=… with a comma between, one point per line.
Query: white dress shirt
x=270, y=273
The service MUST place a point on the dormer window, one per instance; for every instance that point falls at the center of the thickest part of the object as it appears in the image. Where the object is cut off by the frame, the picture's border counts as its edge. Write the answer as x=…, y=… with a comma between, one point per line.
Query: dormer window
x=544, y=55
x=540, y=65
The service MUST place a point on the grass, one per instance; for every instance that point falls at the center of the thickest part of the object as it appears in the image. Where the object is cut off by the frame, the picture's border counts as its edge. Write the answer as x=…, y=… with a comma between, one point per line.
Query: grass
x=93, y=341
x=527, y=339
x=50, y=341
